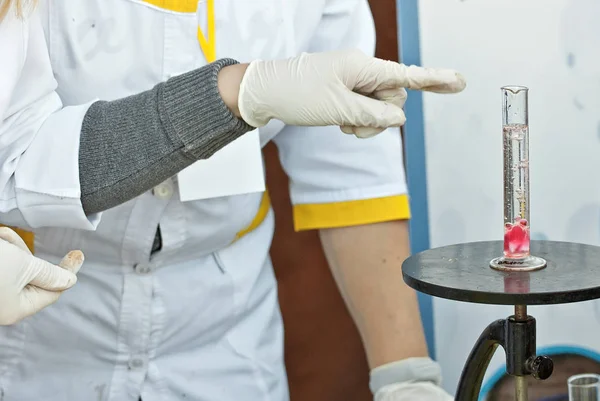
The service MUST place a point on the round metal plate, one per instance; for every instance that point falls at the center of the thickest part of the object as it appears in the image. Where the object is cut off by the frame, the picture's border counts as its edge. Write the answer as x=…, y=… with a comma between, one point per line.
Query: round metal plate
x=462, y=272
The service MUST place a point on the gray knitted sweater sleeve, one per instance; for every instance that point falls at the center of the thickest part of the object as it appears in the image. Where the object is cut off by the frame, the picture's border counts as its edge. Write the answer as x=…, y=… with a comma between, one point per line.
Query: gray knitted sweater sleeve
x=130, y=145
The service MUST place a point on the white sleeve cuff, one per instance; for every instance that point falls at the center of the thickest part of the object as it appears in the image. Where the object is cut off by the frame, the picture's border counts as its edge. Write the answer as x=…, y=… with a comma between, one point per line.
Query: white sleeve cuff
x=407, y=370
x=43, y=210
x=47, y=184
x=348, y=194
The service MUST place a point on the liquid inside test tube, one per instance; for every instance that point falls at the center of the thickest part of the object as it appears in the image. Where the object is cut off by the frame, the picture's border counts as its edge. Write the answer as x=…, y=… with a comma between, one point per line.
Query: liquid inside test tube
x=515, y=132
x=516, y=192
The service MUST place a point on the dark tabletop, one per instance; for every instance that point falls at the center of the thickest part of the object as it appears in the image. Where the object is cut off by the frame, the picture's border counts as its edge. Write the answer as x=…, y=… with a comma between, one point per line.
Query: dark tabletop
x=462, y=272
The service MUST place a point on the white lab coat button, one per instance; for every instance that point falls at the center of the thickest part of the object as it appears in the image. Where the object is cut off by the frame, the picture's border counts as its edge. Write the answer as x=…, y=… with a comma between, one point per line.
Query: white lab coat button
x=163, y=190
x=136, y=363
x=141, y=268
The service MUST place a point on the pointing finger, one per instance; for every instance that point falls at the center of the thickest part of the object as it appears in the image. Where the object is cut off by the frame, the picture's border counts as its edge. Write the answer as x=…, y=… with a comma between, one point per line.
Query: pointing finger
x=382, y=74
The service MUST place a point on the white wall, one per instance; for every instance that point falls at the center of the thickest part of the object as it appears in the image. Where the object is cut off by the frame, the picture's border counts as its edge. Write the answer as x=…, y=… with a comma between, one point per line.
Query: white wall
x=553, y=47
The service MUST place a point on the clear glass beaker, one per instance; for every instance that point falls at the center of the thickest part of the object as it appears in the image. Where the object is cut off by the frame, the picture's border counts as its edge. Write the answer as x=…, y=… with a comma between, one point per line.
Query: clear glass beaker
x=584, y=387
x=515, y=147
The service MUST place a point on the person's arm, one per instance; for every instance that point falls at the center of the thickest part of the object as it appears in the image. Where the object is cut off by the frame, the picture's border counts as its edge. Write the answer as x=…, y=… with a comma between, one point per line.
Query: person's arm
x=366, y=264
x=131, y=145
x=354, y=193
x=61, y=165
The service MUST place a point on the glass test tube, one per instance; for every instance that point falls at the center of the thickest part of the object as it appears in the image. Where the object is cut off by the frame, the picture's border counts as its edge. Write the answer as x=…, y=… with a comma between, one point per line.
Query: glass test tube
x=584, y=387
x=515, y=147
x=515, y=133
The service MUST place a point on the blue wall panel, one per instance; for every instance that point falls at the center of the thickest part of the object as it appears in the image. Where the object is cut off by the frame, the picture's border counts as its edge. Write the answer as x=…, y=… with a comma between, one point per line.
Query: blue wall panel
x=408, y=24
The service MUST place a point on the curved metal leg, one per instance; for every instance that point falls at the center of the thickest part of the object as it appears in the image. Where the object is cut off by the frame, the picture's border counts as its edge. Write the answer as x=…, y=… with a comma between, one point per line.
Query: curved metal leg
x=471, y=378
x=517, y=336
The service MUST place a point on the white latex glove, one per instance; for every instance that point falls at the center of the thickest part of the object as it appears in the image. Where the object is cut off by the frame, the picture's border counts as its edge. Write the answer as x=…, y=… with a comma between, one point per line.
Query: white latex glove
x=412, y=379
x=412, y=391
x=29, y=284
x=361, y=94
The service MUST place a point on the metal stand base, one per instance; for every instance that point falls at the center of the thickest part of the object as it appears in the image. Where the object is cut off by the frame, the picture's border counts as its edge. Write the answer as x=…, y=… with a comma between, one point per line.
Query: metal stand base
x=516, y=335
x=461, y=272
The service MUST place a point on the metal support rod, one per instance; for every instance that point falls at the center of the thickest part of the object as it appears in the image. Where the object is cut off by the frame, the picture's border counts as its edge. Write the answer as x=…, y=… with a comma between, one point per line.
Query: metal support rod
x=521, y=390
x=517, y=336
x=520, y=313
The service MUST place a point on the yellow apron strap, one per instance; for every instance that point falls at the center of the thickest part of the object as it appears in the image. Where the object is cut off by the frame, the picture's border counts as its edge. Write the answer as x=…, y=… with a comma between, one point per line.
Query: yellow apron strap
x=261, y=215
x=208, y=43
x=26, y=236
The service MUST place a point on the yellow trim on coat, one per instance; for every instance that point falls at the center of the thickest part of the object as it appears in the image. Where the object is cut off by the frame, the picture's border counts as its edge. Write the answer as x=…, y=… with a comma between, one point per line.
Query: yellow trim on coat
x=208, y=43
x=178, y=6
x=351, y=213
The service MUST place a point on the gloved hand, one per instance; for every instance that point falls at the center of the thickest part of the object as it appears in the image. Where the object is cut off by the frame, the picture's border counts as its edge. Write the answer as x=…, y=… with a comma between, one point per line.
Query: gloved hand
x=29, y=284
x=412, y=379
x=361, y=94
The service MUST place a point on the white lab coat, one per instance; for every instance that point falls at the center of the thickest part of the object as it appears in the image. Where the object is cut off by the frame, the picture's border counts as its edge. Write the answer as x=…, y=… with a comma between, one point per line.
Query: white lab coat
x=199, y=320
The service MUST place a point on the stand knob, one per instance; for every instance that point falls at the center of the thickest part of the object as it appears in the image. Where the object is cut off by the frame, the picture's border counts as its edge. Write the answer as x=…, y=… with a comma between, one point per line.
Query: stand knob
x=541, y=367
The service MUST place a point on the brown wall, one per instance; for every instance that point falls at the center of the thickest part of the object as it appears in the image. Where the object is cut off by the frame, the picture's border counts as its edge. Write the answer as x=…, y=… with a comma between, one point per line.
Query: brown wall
x=324, y=354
